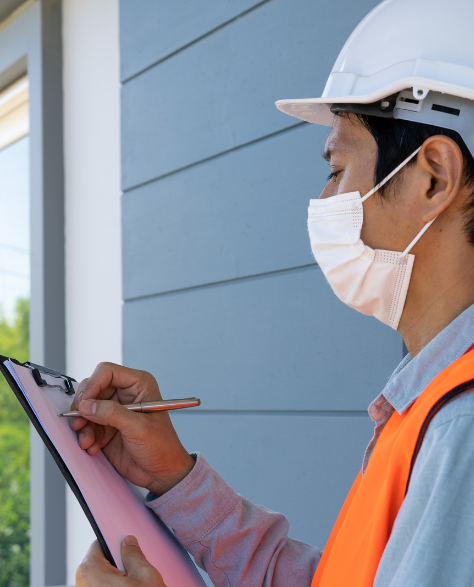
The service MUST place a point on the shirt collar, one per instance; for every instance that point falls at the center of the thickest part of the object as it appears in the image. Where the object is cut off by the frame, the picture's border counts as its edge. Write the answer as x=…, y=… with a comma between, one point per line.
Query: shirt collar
x=412, y=376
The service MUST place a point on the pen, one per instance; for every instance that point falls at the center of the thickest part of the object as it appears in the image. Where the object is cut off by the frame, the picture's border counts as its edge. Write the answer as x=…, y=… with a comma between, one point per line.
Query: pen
x=167, y=404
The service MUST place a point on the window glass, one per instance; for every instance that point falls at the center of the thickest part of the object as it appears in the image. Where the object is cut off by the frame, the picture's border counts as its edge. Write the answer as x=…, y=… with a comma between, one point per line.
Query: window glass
x=14, y=226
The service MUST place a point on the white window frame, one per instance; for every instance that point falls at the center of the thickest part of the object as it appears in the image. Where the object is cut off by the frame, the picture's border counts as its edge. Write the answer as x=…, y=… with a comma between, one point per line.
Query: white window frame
x=31, y=44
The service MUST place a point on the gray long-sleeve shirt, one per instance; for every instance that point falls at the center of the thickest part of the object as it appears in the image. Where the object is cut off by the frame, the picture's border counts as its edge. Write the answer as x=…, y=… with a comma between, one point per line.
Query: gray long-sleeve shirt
x=241, y=544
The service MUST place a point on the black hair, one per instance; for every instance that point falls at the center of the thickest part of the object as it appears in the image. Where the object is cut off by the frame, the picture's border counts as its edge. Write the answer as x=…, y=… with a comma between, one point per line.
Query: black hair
x=397, y=139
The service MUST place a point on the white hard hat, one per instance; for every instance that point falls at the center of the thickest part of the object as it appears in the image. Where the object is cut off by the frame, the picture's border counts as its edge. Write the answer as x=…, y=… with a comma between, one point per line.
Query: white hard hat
x=408, y=59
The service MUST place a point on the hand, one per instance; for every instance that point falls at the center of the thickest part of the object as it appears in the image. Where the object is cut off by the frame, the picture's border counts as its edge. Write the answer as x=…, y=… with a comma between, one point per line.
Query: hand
x=96, y=570
x=143, y=447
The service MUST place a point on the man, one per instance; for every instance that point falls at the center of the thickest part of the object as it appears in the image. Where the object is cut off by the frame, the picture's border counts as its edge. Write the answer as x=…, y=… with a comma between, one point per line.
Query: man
x=393, y=232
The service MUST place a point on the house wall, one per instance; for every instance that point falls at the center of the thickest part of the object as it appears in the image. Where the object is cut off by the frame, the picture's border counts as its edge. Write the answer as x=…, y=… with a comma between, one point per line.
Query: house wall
x=222, y=298
x=92, y=208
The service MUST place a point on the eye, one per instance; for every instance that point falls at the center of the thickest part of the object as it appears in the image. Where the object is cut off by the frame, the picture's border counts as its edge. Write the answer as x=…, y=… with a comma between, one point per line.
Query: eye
x=333, y=175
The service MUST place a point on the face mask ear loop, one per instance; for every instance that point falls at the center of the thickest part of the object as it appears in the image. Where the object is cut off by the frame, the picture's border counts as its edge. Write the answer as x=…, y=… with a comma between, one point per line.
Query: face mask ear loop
x=389, y=177
x=417, y=237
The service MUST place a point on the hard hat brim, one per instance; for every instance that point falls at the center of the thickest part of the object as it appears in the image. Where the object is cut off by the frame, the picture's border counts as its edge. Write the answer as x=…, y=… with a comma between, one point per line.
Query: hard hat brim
x=317, y=110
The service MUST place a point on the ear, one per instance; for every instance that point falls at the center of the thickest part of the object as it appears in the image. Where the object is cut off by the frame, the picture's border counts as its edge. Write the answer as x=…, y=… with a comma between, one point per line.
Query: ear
x=441, y=162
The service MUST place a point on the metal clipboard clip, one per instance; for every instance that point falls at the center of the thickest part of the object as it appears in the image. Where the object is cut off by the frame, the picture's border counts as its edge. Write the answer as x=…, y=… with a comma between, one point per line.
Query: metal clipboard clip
x=36, y=371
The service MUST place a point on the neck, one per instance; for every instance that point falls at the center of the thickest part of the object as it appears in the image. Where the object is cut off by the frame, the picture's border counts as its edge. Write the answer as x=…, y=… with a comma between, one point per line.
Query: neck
x=441, y=288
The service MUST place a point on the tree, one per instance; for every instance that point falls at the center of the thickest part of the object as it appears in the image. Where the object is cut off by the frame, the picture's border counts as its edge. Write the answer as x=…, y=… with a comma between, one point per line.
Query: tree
x=14, y=460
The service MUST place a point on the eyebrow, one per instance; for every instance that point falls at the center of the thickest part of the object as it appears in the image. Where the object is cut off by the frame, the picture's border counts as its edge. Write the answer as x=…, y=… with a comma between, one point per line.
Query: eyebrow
x=330, y=152
x=327, y=154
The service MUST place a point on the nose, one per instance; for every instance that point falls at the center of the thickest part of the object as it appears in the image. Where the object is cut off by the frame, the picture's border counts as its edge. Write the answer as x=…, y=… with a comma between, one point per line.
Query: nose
x=328, y=191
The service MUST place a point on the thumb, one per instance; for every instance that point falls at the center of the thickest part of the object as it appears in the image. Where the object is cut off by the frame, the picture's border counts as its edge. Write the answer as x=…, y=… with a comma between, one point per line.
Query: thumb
x=136, y=565
x=108, y=413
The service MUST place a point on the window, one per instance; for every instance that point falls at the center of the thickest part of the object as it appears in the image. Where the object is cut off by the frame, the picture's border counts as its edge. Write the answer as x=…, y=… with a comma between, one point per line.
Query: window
x=14, y=338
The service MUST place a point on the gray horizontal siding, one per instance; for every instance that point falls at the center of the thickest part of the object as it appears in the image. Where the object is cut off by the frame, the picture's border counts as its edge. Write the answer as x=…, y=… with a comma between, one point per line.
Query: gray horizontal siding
x=222, y=296
x=219, y=93
x=240, y=214
x=282, y=341
x=300, y=465
x=150, y=30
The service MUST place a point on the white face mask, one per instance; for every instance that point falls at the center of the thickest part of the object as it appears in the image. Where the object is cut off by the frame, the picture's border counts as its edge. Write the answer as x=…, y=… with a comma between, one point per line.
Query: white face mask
x=374, y=282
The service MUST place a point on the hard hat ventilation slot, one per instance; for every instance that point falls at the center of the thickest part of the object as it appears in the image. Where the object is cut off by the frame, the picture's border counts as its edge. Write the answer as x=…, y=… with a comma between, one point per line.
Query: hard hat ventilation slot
x=446, y=109
x=409, y=100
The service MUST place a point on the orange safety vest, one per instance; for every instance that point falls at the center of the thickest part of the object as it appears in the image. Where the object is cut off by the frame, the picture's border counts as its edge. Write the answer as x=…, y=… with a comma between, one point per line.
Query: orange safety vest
x=363, y=527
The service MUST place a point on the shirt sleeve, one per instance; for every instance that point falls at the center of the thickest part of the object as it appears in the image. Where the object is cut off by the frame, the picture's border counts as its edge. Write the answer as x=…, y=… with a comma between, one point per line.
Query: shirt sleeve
x=432, y=540
x=235, y=541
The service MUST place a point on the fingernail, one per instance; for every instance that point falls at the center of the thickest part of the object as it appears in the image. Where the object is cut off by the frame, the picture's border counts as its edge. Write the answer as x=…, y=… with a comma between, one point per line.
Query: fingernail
x=81, y=437
x=131, y=541
x=88, y=407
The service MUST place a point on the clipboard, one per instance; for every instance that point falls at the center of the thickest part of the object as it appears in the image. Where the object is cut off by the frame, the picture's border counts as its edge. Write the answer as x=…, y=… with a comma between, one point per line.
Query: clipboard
x=39, y=389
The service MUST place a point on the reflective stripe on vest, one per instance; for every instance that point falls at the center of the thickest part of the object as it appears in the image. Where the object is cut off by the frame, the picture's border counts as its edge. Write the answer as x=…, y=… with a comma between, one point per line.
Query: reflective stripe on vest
x=363, y=527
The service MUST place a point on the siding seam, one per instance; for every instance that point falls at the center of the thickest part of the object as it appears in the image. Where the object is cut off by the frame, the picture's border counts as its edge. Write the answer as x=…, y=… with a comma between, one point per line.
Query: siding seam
x=193, y=42
x=210, y=158
x=214, y=283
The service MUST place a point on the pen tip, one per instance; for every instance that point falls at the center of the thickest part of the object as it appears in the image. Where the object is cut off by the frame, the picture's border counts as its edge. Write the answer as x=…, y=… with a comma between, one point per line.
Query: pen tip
x=60, y=415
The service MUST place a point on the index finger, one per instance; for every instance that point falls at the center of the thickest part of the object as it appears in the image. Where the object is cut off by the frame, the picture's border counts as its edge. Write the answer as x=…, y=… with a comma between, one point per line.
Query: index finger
x=95, y=565
x=108, y=377
x=95, y=555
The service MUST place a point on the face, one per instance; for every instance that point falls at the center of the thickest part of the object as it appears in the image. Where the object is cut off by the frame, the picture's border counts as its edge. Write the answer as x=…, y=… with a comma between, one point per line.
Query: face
x=351, y=151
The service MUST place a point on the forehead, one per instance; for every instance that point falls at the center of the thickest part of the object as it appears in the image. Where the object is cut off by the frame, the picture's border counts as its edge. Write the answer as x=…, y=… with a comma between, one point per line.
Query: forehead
x=347, y=136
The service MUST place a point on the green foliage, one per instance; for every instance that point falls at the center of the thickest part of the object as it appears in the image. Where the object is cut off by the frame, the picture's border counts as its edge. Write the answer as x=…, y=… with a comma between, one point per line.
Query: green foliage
x=14, y=506
x=14, y=460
